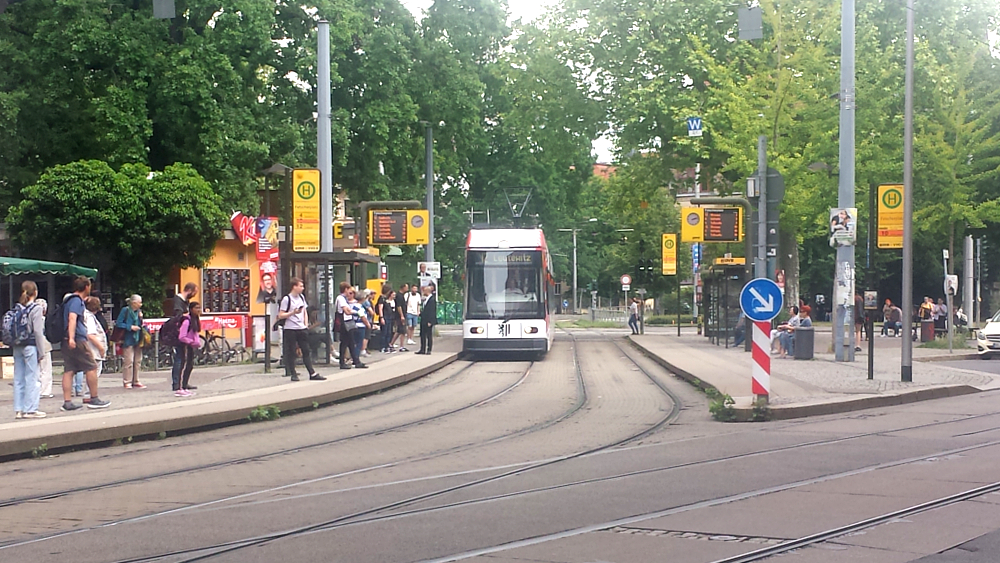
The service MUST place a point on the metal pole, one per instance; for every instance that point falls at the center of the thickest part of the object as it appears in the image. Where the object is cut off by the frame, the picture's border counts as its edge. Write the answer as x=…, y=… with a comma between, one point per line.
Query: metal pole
x=760, y=265
x=576, y=292
x=844, y=344
x=429, y=183
x=906, y=363
x=969, y=272
x=951, y=326
x=324, y=147
x=678, y=300
x=267, y=343
x=979, y=284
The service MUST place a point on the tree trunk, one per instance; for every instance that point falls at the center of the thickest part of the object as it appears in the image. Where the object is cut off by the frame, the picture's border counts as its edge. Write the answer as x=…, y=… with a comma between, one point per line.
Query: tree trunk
x=788, y=260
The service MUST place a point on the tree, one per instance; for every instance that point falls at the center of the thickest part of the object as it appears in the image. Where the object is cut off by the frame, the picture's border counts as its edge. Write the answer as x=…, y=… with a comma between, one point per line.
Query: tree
x=133, y=225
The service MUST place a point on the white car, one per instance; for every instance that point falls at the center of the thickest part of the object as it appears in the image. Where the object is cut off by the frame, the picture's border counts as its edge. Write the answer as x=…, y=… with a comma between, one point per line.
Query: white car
x=988, y=338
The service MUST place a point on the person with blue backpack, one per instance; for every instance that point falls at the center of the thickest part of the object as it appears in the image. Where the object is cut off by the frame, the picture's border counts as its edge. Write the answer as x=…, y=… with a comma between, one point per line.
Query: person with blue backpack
x=24, y=331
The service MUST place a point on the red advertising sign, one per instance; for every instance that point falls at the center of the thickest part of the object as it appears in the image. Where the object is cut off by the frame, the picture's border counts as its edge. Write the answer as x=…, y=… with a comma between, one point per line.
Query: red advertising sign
x=208, y=322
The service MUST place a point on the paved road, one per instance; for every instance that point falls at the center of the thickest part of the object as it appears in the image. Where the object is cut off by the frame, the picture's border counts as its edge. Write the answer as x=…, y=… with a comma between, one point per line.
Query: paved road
x=989, y=366
x=593, y=454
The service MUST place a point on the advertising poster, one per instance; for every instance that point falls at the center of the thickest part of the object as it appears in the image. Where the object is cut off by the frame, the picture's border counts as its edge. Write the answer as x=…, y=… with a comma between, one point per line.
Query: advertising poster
x=267, y=239
x=843, y=226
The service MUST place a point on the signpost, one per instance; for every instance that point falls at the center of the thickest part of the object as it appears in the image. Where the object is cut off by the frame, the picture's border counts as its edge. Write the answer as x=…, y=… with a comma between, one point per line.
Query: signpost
x=761, y=301
x=305, y=210
x=694, y=126
x=626, y=285
x=890, y=216
x=669, y=248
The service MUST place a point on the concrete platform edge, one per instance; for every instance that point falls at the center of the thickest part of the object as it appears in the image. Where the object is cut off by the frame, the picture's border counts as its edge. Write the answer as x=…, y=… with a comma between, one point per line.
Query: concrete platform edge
x=744, y=414
x=206, y=420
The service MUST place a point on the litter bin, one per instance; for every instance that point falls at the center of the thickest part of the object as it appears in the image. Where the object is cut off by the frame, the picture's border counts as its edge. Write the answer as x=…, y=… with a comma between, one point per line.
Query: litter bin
x=926, y=330
x=805, y=340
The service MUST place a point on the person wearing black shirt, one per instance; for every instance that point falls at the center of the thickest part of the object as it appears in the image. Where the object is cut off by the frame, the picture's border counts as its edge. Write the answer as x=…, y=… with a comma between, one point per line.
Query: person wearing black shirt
x=428, y=318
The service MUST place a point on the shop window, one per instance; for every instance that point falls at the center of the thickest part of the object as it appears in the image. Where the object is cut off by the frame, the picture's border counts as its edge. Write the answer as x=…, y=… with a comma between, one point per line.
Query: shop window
x=226, y=290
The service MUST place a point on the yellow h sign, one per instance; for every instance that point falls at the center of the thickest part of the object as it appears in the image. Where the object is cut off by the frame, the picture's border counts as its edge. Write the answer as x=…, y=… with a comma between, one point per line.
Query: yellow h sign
x=890, y=216
x=305, y=210
x=669, y=248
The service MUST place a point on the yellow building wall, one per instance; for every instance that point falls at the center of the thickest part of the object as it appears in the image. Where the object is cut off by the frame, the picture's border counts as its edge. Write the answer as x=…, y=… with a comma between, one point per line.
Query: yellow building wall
x=229, y=254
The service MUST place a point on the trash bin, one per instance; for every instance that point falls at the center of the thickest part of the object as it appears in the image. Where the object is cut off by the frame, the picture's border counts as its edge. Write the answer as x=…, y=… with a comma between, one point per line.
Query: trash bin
x=805, y=340
x=926, y=330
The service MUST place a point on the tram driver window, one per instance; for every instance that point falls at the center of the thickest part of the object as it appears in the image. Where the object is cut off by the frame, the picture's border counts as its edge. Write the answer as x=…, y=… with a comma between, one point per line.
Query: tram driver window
x=504, y=285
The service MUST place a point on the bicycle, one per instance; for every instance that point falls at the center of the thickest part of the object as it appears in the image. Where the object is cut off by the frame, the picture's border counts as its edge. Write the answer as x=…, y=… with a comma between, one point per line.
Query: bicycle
x=214, y=350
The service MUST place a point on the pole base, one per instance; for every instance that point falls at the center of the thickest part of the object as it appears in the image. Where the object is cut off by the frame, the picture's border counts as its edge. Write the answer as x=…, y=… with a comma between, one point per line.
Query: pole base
x=907, y=374
x=761, y=400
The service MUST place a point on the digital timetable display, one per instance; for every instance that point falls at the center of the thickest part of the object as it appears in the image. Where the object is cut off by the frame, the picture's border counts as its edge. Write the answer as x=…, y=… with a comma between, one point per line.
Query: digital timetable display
x=722, y=225
x=389, y=227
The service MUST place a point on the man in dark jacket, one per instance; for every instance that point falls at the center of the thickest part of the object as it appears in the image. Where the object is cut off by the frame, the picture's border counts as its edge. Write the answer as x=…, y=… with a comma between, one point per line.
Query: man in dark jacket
x=428, y=318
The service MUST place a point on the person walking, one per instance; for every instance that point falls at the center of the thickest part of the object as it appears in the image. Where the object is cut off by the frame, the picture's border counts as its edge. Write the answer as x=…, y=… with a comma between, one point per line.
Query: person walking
x=346, y=323
x=28, y=349
x=130, y=321
x=413, y=301
x=633, y=315
x=859, y=320
x=45, y=365
x=189, y=340
x=428, y=318
x=293, y=310
x=401, y=329
x=75, y=350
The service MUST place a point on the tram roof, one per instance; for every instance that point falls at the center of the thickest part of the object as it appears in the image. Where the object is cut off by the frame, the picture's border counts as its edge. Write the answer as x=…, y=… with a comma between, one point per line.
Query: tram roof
x=506, y=238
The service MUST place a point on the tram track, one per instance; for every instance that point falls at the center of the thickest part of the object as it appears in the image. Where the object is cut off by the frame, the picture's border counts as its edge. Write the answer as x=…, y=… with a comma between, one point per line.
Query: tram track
x=260, y=457
x=376, y=514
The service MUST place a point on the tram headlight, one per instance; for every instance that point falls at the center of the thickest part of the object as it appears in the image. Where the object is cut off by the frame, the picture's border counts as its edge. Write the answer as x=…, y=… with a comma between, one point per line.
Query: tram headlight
x=476, y=330
x=531, y=330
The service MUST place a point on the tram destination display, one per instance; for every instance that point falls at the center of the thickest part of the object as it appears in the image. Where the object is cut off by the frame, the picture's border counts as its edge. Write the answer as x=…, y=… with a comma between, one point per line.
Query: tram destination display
x=399, y=226
x=722, y=225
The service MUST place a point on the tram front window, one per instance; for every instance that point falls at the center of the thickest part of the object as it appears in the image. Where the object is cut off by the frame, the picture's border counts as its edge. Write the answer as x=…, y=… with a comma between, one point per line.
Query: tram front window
x=505, y=284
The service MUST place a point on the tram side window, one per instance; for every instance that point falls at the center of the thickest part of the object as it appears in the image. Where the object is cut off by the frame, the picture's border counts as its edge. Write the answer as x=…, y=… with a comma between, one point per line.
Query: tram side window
x=505, y=285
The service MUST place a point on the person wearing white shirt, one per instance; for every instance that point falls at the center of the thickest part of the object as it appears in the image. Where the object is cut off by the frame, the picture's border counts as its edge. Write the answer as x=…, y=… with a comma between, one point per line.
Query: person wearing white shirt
x=293, y=310
x=413, y=301
x=344, y=314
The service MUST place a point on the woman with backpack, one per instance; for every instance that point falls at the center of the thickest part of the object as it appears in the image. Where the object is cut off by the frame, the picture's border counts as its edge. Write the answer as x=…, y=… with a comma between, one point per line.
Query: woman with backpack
x=190, y=339
x=28, y=341
x=129, y=321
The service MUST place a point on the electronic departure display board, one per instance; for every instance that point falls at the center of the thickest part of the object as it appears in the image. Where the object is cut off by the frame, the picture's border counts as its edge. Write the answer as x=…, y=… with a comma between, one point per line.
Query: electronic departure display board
x=388, y=227
x=722, y=225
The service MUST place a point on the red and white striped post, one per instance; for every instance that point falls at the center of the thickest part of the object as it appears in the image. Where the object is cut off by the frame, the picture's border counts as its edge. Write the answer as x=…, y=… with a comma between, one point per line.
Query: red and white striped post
x=761, y=371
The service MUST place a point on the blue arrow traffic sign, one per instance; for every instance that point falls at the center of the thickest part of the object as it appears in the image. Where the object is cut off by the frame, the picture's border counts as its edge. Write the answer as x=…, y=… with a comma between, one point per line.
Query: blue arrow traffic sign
x=761, y=299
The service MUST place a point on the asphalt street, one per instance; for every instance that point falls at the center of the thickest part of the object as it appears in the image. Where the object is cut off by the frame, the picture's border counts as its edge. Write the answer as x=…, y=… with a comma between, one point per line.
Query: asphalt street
x=592, y=454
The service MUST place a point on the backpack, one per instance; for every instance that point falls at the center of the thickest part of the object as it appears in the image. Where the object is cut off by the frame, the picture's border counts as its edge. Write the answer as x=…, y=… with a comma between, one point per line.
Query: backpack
x=170, y=332
x=55, y=322
x=16, y=327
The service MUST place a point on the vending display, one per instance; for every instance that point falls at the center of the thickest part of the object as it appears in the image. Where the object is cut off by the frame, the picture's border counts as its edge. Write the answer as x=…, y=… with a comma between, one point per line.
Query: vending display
x=226, y=290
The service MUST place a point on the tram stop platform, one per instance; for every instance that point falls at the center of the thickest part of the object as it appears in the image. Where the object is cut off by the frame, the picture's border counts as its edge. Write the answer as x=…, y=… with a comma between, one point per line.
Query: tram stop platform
x=226, y=395
x=801, y=388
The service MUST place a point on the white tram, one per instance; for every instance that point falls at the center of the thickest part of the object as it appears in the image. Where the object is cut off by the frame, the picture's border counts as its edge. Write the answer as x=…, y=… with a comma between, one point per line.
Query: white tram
x=508, y=292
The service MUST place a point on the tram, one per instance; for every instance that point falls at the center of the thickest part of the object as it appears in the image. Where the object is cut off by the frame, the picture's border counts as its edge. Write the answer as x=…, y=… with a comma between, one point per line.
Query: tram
x=509, y=292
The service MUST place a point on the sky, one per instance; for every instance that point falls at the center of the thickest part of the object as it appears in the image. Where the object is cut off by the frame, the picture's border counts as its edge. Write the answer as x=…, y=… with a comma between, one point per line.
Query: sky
x=526, y=10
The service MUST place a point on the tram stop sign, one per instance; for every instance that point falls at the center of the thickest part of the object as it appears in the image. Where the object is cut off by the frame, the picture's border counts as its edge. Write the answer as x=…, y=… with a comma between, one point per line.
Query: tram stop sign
x=761, y=299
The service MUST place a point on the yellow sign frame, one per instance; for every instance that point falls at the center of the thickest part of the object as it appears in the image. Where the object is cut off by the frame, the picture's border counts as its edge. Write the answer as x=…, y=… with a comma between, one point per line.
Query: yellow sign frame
x=306, y=210
x=693, y=223
x=890, y=216
x=418, y=225
x=668, y=246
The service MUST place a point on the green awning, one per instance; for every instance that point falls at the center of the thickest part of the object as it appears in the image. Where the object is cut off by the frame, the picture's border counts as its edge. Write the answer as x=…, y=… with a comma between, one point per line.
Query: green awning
x=19, y=266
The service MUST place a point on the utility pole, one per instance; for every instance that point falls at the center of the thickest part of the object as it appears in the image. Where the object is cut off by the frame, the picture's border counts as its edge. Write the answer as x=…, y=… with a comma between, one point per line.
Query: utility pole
x=576, y=293
x=968, y=271
x=906, y=363
x=324, y=146
x=429, y=183
x=843, y=345
x=760, y=265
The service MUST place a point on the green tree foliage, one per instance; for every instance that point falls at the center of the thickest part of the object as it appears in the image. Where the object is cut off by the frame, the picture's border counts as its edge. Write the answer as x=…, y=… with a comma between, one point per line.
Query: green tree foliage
x=133, y=224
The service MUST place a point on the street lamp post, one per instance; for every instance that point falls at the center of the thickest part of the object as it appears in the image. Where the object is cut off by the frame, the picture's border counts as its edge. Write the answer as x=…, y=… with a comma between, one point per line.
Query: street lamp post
x=576, y=300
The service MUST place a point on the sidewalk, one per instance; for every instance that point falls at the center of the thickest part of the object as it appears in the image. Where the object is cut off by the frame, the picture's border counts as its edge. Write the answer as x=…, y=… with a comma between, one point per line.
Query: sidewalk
x=225, y=394
x=820, y=386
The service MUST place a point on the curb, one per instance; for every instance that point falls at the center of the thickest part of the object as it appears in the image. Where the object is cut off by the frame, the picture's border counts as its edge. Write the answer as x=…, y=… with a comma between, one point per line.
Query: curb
x=949, y=357
x=686, y=376
x=745, y=414
x=205, y=416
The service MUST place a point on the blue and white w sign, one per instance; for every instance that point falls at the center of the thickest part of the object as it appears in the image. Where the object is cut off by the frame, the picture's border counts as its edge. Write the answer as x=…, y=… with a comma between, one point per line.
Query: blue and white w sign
x=694, y=126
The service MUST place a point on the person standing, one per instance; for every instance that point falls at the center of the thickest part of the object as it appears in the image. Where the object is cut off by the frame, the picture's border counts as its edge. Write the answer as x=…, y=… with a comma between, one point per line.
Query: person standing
x=292, y=310
x=179, y=307
x=28, y=353
x=385, y=307
x=401, y=317
x=360, y=322
x=939, y=314
x=859, y=320
x=96, y=335
x=413, y=299
x=428, y=318
x=369, y=309
x=45, y=365
x=188, y=340
x=633, y=315
x=76, y=352
x=130, y=321
x=345, y=320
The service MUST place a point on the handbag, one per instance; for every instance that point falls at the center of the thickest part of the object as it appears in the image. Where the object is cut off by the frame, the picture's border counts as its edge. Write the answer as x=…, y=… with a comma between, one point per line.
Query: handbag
x=350, y=324
x=145, y=339
x=118, y=335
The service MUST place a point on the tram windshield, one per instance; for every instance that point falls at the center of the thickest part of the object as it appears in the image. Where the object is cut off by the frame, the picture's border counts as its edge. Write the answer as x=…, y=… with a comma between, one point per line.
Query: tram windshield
x=505, y=284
